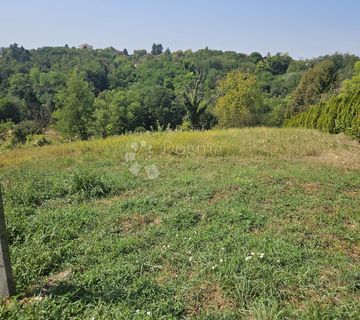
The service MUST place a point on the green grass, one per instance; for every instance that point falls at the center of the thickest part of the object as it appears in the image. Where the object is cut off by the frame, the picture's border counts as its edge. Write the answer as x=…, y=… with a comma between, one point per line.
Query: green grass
x=89, y=240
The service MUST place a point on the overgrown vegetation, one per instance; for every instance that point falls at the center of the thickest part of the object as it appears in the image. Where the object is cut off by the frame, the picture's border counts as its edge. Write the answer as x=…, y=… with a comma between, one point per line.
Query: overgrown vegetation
x=87, y=93
x=341, y=113
x=253, y=223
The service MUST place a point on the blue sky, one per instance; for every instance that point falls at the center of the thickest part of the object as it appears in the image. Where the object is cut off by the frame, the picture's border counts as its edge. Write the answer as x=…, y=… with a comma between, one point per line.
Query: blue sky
x=302, y=28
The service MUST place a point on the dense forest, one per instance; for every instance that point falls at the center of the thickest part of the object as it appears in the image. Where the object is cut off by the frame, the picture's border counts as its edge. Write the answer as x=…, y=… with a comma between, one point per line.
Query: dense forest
x=85, y=92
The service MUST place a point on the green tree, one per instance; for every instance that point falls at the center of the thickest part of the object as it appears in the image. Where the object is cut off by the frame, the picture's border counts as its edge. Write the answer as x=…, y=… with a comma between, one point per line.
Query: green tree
x=239, y=100
x=194, y=99
x=277, y=64
x=140, y=53
x=341, y=113
x=256, y=57
x=45, y=86
x=21, y=86
x=156, y=49
x=10, y=110
x=75, y=107
x=162, y=107
x=315, y=82
x=102, y=115
x=123, y=74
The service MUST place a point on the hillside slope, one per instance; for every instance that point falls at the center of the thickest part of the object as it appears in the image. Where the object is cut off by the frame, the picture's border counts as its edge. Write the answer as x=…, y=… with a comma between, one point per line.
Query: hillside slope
x=250, y=223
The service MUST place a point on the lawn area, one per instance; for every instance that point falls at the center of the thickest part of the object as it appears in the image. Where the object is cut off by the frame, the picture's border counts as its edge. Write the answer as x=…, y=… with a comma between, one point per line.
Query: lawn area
x=227, y=224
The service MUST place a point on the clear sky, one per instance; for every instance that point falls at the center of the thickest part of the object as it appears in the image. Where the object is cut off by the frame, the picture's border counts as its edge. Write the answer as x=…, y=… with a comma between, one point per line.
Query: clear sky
x=303, y=28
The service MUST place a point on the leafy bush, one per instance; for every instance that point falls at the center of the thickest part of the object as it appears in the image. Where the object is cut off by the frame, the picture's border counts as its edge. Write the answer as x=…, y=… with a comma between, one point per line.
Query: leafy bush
x=21, y=131
x=139, y=129
x=38, y=140
x=5, y=129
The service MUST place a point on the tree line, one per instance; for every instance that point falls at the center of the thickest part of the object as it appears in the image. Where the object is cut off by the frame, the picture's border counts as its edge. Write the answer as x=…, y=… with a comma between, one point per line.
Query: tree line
x=85, y=92
x=339, y=113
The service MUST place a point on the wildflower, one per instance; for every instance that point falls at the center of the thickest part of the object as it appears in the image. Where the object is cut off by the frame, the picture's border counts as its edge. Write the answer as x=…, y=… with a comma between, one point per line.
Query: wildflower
x=278, y=261
x=148, y=313
x=222, y=248
x=213, y=267
x=248, y=258
x=190, y=259
x=261, y=255
x=221, y=260
x=137, y=310
x=252, y=253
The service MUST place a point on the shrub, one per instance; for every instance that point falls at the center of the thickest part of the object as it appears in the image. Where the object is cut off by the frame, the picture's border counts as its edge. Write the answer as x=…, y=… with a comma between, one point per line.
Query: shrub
x=139, y=129
x=5, y=129
x=21, y=131
x=38, y=140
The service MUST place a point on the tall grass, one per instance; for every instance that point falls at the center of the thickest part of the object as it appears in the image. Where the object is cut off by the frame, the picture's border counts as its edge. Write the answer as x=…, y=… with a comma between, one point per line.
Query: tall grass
x=245, y=143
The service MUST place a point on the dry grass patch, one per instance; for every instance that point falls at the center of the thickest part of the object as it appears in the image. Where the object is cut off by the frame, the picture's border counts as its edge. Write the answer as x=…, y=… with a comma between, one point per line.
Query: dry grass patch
x=344, y=159
x=167, y=274
x=247, y=143
x=208, y=297
x=45, y=288
x=136, y=222
x=311, y=187
x=221, y=195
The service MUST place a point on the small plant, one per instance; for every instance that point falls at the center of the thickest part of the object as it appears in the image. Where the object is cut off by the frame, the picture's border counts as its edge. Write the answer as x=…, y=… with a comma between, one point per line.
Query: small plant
x=89, y=185
x=185, y=126
x=38, y=140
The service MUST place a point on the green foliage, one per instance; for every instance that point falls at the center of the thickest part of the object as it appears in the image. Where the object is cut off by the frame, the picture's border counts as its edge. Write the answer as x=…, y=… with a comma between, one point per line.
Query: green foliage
x=20, y=132
x=316, y=81
x=162, y=107
x=123, y=74
x=256, y=57
x=277, y=64
x=10, y=110
x=102, y=115
x=75, y=107
x=341, y=113
x=38, y=140
x=5, y=129
x=87, y=185
x=194, y=98
x=239, y=101
x=143, y=90
x=156, y=49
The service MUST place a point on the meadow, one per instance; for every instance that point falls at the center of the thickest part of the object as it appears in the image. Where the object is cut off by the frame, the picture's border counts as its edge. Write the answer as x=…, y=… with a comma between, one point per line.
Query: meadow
x=254, y=223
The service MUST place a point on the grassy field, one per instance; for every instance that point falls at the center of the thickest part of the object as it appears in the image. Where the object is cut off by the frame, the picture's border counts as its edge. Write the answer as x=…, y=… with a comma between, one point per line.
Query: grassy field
x=238, y=224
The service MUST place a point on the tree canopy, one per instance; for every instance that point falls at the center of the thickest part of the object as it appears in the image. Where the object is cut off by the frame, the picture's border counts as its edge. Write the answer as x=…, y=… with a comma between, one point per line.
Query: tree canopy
x=240, y=100
x=101, y=92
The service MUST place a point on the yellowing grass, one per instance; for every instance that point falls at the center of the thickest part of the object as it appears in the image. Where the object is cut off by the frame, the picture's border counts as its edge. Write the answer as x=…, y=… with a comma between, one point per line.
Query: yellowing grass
x=284, y=143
